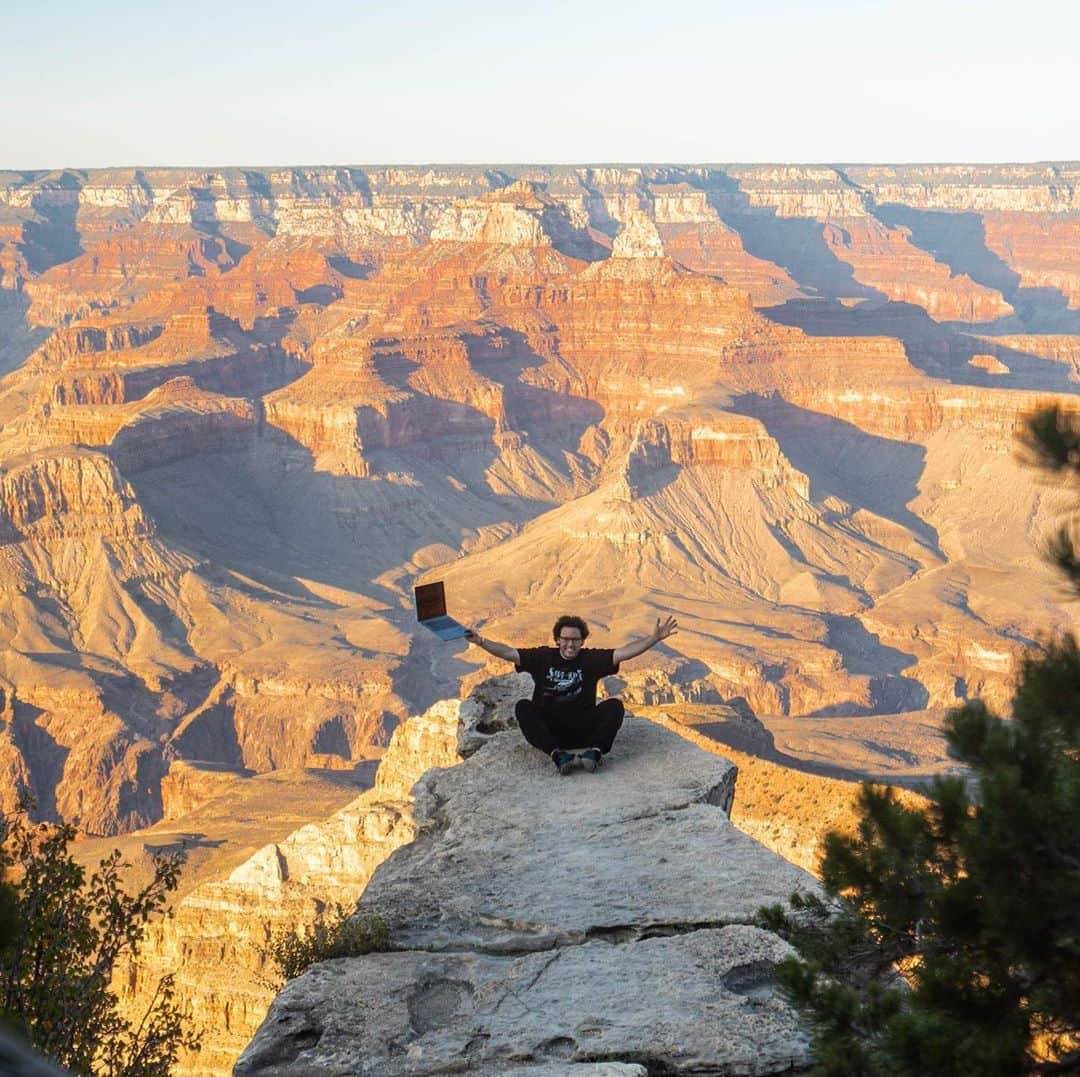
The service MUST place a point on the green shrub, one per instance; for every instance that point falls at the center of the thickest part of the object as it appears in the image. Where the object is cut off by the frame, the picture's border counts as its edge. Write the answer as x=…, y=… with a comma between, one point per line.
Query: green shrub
x=61, y=939
x=336, y=932
x=975, y=899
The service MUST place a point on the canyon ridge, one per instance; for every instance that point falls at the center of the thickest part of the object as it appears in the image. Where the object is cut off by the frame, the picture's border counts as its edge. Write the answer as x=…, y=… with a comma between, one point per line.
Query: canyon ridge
x=244, y=411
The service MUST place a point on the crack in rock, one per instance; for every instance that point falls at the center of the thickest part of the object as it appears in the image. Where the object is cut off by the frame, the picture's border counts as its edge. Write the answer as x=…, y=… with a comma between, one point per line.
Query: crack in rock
x=619, y=934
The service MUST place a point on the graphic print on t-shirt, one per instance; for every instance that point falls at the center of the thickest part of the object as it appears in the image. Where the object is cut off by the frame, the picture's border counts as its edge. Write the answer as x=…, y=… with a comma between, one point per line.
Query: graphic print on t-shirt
x=563, y=685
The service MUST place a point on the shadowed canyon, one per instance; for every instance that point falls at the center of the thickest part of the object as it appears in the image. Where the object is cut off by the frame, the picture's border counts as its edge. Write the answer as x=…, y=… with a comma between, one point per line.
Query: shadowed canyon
x=244, y=411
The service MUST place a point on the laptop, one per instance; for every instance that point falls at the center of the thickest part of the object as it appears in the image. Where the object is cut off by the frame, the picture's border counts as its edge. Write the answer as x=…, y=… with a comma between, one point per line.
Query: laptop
x=431, y=611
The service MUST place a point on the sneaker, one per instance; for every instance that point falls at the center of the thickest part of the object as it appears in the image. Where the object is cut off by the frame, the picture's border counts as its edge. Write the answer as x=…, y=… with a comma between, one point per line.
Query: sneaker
x=591, y=758
x=563, y=760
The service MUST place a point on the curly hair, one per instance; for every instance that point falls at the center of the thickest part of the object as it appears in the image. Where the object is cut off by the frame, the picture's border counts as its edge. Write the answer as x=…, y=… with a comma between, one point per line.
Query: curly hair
x=568, y=621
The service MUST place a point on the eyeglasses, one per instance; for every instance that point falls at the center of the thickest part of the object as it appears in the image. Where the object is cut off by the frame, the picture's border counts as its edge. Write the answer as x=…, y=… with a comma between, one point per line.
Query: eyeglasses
x=571, y=639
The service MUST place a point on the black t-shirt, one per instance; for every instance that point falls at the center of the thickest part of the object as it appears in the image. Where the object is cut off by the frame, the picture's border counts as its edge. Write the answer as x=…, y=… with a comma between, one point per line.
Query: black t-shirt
x=563, y=682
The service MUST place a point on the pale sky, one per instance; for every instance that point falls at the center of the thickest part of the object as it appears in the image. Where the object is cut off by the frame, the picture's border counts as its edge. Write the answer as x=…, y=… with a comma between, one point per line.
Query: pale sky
x=260, y=82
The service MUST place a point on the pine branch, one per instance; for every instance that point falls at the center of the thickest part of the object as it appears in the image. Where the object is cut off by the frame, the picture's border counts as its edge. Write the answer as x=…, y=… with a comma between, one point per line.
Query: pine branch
x=1051, y=439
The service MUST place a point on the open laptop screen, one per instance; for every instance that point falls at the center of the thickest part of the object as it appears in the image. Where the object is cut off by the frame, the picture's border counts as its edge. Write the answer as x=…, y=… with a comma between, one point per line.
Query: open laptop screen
x=431, y=611
x=430, y=601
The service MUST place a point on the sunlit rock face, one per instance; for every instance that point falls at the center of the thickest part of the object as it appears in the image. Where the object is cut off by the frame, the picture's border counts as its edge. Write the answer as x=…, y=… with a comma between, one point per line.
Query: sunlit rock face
x=243, y=411
x=556, y=905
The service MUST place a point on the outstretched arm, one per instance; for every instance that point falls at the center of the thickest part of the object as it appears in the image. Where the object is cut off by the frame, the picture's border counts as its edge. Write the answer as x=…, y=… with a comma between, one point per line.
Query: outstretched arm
x=499, y=650
x=639, y=646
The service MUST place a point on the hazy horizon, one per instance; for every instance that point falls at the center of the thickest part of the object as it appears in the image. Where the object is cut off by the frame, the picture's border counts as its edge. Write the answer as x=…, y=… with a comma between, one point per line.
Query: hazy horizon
x=636, y=163
x=424, y=83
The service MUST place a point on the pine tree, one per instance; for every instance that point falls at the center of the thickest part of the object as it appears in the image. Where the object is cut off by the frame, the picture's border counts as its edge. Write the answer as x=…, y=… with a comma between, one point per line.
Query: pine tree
x=951, y=941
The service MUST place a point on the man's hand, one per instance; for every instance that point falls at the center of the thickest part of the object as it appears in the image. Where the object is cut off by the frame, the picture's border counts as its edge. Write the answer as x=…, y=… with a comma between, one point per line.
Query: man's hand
x=665, y=628
x=473, y=636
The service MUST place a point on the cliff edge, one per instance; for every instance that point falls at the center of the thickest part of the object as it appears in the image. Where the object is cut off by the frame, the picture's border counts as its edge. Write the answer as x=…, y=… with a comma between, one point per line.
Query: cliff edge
x=597, y=923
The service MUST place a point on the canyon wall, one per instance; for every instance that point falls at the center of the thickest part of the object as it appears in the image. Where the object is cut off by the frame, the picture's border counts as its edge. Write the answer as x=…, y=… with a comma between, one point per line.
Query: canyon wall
x=243, y=411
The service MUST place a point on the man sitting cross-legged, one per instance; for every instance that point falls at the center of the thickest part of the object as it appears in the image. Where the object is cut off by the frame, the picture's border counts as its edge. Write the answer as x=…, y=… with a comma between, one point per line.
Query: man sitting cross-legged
x=563, y=718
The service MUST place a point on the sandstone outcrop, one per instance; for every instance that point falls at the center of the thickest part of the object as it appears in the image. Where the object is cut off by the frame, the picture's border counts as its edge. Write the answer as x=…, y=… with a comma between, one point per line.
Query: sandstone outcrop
x=61, y=495
x=611, y=923
x=715, y=248
x=885, y=260
x=1043, y=257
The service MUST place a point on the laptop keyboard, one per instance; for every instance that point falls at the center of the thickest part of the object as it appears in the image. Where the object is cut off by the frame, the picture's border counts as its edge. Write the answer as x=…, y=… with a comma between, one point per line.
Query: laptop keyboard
x=444, y=621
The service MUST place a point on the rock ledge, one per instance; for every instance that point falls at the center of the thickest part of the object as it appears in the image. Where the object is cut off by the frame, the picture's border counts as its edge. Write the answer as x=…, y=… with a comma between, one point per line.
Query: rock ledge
x=598, y=924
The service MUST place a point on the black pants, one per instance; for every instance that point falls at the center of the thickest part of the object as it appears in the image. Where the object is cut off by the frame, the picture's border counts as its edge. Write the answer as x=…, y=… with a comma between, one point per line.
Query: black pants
x=547, y=729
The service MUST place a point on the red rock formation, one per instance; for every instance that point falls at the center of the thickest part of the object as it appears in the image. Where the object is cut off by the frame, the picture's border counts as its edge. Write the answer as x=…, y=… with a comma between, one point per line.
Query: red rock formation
x=1044, y=250
x=67, y=494
x=713, y=248
x=1054, y=347
x=886, y=260
x=121, y=269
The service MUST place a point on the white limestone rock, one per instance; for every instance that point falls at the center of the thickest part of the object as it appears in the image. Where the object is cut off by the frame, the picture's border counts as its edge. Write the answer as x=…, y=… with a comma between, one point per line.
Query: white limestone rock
x=548, y=924
x=701, y=1003
x=491, y=222
x=509, y=857
x=638, y=238
x=490, y=710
